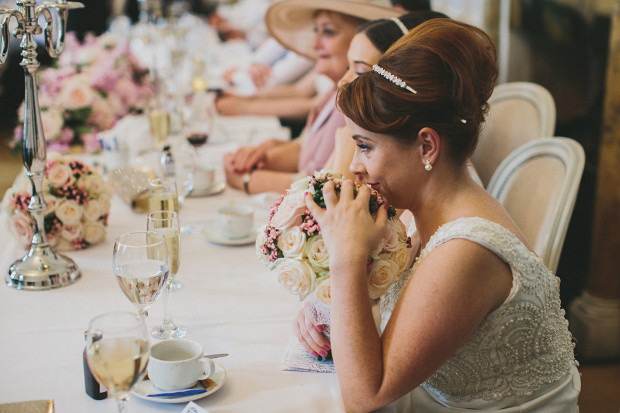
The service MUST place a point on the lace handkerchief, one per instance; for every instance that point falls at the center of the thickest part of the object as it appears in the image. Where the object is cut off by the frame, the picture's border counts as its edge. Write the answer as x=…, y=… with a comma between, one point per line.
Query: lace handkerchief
x=296, y=358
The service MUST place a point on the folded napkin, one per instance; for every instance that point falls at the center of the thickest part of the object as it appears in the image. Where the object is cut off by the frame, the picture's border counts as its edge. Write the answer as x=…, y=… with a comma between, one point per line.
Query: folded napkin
x=193, y=408
x=35, y=406
x=296, y=358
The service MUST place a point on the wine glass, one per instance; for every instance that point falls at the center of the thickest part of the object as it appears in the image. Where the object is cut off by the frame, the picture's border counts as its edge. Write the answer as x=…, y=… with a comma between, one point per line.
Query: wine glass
x=167, y=224
x=141, y=265
x=117, y=351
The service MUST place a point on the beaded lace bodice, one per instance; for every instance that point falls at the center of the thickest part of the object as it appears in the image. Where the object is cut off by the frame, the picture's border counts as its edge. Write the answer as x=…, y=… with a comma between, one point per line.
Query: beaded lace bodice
x=518, y=348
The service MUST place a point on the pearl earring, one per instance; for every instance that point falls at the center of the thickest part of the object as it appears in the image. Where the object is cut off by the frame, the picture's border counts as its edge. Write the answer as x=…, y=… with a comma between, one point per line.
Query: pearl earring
x=428, y=166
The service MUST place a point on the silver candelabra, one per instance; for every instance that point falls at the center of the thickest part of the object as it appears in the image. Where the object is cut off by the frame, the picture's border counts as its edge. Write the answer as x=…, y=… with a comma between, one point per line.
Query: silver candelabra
x=41, y=268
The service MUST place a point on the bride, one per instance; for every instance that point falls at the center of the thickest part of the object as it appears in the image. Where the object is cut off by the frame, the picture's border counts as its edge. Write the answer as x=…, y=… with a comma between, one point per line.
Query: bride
x=477, y=323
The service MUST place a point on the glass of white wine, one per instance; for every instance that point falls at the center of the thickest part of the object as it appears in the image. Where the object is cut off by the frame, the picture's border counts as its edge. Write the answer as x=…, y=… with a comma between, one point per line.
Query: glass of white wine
x=163, y=195
x=117, y=352
x=167, y=224
x=141, y=264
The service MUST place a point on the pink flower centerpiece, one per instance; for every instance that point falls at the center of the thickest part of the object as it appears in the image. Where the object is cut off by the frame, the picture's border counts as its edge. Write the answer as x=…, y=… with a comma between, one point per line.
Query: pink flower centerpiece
x=291, y=244
x=90, y=87
x=78, y=204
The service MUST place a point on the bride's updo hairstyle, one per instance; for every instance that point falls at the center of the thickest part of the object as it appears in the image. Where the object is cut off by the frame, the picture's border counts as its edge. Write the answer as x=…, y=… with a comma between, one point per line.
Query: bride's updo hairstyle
x=449, y=65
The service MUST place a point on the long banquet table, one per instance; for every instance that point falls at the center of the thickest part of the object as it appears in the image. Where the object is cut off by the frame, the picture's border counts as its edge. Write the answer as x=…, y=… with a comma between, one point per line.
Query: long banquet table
x=230, y=302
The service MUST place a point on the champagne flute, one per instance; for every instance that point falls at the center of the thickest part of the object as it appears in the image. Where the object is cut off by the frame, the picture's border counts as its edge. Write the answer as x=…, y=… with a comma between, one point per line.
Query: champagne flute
x=160, y=126
x=163, y=195
x=141, y=265
x=167, y=224
x=117, y=352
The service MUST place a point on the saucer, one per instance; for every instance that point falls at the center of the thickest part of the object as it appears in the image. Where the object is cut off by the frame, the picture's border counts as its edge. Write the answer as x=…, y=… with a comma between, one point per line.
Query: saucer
x=212, y=236
x=145, y=387
x=213, y=190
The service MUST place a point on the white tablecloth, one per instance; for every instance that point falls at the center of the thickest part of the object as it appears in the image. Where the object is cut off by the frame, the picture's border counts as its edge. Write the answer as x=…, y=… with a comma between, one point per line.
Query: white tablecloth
x=230, y=302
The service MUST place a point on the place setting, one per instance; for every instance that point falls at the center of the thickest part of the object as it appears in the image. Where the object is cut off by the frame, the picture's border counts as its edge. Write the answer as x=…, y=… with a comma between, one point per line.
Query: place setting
x=233, y=225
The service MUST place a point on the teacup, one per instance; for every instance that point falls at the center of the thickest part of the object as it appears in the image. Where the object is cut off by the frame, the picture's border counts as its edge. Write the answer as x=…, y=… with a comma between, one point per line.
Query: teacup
x=234, y=221
x=204, y=178
x=177, y=364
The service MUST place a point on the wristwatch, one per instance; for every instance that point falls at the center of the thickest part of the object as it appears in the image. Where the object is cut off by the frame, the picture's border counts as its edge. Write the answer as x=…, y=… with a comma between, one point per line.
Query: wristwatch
x=246, y=181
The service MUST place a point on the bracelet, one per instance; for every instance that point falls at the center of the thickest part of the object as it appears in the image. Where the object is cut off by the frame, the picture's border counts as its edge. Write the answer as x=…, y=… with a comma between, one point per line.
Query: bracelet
x=246, y=182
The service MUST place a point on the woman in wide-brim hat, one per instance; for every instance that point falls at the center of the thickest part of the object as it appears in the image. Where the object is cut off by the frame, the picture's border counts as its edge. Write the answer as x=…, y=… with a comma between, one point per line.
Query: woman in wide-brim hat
x=324, y=32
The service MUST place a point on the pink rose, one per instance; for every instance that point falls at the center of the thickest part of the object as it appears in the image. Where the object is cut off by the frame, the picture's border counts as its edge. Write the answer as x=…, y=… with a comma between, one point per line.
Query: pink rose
x=76, y=94
x=102, y=115
x=289, y=212
x=59, y=174
x=22, y=228
x=391, y=238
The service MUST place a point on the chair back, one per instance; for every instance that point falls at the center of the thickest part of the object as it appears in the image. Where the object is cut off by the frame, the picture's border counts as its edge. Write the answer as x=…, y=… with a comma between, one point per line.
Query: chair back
x=518, y=113
x=537, y=184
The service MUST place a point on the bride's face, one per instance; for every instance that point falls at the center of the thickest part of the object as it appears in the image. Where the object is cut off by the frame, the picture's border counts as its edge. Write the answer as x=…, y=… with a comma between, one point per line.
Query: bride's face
x=386, y=164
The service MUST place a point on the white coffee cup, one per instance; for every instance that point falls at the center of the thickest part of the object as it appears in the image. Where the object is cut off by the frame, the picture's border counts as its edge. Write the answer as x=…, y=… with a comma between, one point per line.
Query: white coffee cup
x=204, y=178
x=178, y=364
x=234, y=221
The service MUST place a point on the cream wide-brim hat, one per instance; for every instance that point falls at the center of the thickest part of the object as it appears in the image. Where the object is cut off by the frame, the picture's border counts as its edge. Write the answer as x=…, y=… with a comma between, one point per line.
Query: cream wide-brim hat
x=290, y=22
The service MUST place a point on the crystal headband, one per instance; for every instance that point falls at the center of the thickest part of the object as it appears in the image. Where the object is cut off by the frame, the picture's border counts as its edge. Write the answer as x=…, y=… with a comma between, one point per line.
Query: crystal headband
x=400, y=25
x=392, y=78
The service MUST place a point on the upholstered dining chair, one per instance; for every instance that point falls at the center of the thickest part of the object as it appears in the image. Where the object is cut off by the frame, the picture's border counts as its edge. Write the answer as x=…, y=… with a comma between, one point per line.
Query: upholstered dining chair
x=518, y=113
x=537, y=184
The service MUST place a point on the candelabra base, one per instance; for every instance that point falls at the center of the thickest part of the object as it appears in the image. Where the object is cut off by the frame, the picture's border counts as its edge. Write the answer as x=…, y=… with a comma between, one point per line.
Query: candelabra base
x=42, y=269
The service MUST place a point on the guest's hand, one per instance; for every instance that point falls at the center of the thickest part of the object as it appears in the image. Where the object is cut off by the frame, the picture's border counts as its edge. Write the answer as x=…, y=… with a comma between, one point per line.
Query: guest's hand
x=309, y=334
x=259, y=74
x=231, y=105
x=248, y=158
x=349, y=230
x=233, y=178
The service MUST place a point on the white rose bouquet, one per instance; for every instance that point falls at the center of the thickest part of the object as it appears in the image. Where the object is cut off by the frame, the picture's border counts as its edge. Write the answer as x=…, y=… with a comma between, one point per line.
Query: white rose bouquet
x=291, y=243
x=78, y=204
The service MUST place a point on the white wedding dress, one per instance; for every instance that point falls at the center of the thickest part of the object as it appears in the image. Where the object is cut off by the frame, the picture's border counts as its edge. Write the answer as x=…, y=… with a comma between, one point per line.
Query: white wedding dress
x=520, y=359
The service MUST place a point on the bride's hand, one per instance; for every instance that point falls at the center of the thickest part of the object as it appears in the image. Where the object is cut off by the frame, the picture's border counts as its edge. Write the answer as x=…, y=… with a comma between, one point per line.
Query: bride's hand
x=310, y=334
x=349, y=230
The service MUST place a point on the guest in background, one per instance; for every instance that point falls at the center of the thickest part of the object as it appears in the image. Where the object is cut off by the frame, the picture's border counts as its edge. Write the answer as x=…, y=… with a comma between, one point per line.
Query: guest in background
x=273, y=165
x=412, y=5
x=477, y=324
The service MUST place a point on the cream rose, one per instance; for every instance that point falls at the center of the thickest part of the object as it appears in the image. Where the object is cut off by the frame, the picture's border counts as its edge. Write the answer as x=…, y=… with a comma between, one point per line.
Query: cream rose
x=317, y=254
x=93, y=183
x=291, y=241
x=22, y=228
x=378, y=249
x=104, y=203
x=52, y=123
x=69, y=212
x=59, y=174
x=76, y=94
x=391, y=239
x=71, y=232
x=323, y=290
x=289, y=212
x=295, y=276
x=400, y=257
x=300, y=186
x=94, y=232
x=92, y=210
x=382, y=274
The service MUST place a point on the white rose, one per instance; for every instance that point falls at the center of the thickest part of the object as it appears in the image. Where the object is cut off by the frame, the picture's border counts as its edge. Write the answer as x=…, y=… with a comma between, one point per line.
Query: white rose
x=317, y=254
x=391, y=239
x=51, y=202
x=382, y=274
x=76, y=94
x=59, y=174
x=104, y=203
x=93, y=183
x=295, y=276
x=21, y=226
x=69, y=212
x=291, y=241
x=92, y=210
x=64, y=245
x=323, y=290
x=52, y=123
x=71, y=232
x=289, y=212
x=300, y=186
x=261, y=239
x=94, y=232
